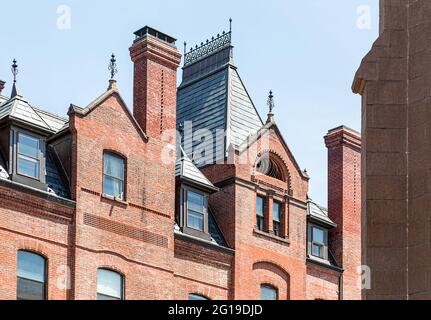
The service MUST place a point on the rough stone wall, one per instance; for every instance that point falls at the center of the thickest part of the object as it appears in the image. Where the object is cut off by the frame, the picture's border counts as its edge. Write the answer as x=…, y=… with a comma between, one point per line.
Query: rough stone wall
x=394, y=82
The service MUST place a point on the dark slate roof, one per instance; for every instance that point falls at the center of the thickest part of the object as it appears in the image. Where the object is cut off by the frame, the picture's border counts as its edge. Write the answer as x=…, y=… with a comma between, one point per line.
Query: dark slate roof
x=54, y=180
x=18, y=108
x=212, y=96
x=185, y=168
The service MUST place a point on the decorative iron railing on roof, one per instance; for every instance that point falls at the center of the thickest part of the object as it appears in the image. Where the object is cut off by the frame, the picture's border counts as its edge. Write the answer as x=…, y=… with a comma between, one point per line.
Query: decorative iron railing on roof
x=205, y=49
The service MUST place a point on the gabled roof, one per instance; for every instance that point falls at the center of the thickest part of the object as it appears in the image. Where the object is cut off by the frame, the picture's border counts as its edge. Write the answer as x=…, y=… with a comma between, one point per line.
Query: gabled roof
x=20, y=109
x=112, y=90
x=319, y=214
x=186, y=170
x=213, y=97
x=271, y=125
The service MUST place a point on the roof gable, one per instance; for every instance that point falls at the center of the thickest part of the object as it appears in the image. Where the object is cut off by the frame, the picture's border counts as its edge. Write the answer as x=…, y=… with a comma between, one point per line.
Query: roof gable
x=111, y=92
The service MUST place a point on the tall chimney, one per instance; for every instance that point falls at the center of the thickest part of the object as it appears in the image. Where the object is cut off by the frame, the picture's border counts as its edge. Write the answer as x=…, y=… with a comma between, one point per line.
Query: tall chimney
x=2, y=83
x=156, y=60
x=344, y=205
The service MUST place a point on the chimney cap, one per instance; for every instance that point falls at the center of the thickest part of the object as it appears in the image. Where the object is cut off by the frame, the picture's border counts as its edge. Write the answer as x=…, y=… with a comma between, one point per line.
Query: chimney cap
x=155, y=33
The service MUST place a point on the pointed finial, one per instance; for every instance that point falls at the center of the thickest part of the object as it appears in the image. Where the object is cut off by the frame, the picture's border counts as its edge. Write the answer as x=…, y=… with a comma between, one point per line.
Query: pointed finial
x=113, y=66
x=230, y=24
x=185, y=47
x=271, y=106
x=14, y=70
x=271, y=103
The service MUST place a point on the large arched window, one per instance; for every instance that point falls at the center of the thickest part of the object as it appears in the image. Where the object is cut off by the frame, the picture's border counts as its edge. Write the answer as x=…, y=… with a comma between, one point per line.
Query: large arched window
x=110, y=285
x=31, y=276
x=114, y=172
x=268, y=292
x=268, y=166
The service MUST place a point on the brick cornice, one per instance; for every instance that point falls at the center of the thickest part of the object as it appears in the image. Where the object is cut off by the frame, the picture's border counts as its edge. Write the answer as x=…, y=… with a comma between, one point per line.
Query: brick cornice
x=154, y=49
x=343, y=136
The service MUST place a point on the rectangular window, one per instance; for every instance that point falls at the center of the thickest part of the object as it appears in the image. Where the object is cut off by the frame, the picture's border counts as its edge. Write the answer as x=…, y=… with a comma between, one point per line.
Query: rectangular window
x=276, y=214
x=113, y=176
x=28, y=156
x=260, y=213
x=195, y=210
x=318, y=243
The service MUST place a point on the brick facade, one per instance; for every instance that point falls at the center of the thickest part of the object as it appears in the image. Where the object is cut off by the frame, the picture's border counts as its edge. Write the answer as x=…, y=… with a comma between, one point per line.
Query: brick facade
x=136, y=236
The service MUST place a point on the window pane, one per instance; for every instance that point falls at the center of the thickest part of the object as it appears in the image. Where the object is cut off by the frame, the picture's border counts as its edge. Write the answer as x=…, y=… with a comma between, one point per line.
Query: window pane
x=30, y=290
x=317, y=250
x=196, y=297
x=30, y=276
x=31, y=266
x=318, y=235
x=113, y=187
x=259, y=206
x=268, y=293
x=28, y=145
x=28, y=167
x=114, y=166
x=195, y=220
x=276, y=210
x=109, y=285
x=195, y=201
x=103, y=297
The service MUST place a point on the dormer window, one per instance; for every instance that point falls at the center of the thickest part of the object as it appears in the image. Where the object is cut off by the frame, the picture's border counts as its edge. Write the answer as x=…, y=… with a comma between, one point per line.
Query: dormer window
x=28, y=156
x=318, y=242
x=193, y=218
x=196, y=209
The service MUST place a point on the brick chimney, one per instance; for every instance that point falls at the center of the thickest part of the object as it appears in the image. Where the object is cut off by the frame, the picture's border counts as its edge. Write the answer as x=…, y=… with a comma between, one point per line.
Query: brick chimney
x=2, y=83
x=344, y=204
x=156, y=60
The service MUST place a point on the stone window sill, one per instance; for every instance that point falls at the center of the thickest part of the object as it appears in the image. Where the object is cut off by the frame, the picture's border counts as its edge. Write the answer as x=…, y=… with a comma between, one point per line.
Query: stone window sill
x=116, y=200
x=270, y=236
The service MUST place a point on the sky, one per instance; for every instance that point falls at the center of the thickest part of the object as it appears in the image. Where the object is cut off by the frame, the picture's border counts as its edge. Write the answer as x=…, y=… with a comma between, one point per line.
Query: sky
x=306, y=51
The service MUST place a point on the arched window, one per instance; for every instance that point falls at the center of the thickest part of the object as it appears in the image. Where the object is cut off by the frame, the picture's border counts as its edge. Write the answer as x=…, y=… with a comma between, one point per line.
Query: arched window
x=268, y=292
x=114, y=175
x=31, y=276
x=197, y=297
x=269, y=167
x=110, y=285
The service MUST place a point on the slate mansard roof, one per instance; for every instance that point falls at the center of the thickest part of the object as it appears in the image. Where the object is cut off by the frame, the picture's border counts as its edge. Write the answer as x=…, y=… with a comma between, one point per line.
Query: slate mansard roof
x=19, y=109
x=213, y=97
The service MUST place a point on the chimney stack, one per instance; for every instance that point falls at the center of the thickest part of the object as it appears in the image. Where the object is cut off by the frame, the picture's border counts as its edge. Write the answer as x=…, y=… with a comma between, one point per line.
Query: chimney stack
x=2, y=83
x=344, y=204
x=156, y=60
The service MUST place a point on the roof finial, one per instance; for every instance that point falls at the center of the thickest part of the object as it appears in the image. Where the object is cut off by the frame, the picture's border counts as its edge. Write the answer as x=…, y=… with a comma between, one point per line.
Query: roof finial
x=230, y=24
x=185, y=47
x=271, y=106
x=15, y=71
x=271, y=103
x=113, y=66
x=114, y=70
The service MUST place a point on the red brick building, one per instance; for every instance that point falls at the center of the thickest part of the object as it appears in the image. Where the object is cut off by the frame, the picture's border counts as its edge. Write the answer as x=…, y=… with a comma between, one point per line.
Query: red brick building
x=111, y=204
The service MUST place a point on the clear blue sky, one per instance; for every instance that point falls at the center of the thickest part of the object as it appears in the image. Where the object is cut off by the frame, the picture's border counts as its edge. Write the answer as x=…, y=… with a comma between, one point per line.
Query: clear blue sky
x=306, y=51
